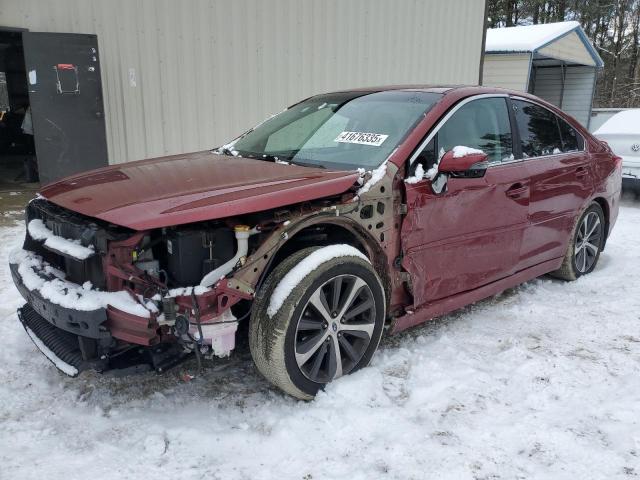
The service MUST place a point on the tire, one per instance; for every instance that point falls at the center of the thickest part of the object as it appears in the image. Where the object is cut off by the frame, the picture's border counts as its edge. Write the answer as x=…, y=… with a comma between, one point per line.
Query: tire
x=580, y=259
x=295, y=347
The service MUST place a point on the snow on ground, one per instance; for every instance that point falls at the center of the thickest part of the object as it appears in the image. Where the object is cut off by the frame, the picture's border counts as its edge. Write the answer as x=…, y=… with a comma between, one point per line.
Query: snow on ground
x=542, y=381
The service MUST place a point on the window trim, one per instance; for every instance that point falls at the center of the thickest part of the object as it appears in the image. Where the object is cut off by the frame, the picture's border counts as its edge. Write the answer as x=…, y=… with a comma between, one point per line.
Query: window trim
x=452, y=111
x=528, y=100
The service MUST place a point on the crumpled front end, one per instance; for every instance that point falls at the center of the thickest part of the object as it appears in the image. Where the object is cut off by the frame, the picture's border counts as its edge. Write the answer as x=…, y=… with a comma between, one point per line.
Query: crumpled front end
x=98, y=298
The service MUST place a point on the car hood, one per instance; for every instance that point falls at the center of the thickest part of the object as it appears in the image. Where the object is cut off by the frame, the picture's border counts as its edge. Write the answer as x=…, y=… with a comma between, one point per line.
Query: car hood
x=192, y=187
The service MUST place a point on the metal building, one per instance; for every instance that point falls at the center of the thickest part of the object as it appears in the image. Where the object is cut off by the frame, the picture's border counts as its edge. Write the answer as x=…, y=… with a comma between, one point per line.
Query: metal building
x=554, y=61
x=186, y=76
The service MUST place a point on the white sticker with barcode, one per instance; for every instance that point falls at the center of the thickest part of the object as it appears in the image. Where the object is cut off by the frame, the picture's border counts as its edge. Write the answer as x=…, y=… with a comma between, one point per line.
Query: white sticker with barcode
x=361, y=138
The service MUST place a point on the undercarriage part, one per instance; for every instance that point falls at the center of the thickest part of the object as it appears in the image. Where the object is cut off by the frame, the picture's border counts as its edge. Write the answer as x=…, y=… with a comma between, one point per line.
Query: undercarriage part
x=73, y=354
x=64, y=349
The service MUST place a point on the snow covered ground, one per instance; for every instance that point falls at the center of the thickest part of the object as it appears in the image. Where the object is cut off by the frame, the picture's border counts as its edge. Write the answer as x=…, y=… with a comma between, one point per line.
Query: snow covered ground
x=542, y=381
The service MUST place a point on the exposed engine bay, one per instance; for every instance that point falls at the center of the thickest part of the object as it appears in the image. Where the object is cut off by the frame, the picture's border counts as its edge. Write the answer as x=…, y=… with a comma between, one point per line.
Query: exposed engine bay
x=170, y=275
x=160, y=294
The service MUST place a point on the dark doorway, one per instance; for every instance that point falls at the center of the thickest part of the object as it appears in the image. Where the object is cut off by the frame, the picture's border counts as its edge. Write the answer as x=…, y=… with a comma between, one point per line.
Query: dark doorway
x=55, y=114
x=17, y=149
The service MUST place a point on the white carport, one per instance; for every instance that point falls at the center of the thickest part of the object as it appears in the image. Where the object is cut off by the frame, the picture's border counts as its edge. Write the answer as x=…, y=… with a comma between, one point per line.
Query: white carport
x=554, y=61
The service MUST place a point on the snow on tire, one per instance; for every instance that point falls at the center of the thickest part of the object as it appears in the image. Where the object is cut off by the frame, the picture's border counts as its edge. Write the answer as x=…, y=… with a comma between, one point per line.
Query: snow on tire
x=319, y=315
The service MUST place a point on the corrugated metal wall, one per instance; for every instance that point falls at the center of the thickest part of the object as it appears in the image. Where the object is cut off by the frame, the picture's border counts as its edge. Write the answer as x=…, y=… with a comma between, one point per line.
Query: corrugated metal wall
x=189, y=75
x=578, y=89
x=506, y=70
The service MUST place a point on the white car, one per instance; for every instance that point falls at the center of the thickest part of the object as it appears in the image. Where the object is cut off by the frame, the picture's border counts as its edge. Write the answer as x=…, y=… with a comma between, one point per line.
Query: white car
x=622, y=133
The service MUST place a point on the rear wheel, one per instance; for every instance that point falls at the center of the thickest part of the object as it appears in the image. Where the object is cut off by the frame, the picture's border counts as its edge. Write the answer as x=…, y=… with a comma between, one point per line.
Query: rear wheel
x=586, y=244
x=307, y=330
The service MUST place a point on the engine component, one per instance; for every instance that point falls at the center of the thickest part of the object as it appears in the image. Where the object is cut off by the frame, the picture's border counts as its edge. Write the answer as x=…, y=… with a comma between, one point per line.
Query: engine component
x=169, y=309
x=191, y=254
x=182, y=325
x=151, y=267
x=243, y=232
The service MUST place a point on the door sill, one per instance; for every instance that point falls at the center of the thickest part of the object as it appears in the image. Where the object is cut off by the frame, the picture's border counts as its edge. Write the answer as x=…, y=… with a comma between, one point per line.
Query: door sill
x=449, y=304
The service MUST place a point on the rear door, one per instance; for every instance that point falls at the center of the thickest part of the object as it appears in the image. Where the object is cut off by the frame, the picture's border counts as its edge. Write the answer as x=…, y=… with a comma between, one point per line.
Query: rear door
x=561, y=180
x=65, y=95
x=469, y=235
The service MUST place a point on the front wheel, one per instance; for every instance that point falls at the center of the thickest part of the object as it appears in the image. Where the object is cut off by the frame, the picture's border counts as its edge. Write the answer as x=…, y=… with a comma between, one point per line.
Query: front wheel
x=319, y=316
x=585, y=245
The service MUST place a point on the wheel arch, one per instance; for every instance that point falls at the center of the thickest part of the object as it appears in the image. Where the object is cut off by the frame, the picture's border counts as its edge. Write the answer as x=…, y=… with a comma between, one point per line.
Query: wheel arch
x=322, y=231
x=604, y=205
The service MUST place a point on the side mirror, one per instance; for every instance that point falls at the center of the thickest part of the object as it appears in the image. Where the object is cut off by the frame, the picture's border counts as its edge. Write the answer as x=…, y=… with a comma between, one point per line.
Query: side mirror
x=463, y=159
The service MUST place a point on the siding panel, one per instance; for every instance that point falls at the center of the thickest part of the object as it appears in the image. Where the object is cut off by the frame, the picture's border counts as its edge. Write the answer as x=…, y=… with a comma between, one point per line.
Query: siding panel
x=506, y=71
x=206, y=70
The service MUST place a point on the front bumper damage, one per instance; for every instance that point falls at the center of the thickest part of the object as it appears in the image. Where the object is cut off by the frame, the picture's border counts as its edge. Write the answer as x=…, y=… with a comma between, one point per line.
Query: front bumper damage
x=90, y=307
x=127, y=332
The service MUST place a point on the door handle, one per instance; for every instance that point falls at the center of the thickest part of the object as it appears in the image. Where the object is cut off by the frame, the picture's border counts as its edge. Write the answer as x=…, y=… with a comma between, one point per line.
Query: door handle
x=582, y=172
x=517, y=190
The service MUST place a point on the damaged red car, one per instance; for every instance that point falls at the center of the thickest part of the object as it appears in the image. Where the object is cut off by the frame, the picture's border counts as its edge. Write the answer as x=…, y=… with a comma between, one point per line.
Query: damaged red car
x=348, y=216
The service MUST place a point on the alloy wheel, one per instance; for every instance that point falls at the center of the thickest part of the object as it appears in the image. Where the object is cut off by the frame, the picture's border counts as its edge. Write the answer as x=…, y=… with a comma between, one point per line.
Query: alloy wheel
x=335, y=328
x=588, y=241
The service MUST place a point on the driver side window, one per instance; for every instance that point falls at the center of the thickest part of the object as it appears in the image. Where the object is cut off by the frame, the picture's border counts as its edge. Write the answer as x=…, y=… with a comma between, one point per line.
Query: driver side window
x=483, y=124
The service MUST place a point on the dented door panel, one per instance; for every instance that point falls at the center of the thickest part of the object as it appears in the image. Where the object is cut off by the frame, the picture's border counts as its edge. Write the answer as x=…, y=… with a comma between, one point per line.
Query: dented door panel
x=466, y=237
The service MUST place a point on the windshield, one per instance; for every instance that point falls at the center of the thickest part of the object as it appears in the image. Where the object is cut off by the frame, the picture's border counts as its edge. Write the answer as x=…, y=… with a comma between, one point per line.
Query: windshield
x=340, y=131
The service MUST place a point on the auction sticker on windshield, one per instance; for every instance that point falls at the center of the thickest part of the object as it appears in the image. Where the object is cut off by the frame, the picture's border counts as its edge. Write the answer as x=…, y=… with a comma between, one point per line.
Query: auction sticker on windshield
x=361, y=138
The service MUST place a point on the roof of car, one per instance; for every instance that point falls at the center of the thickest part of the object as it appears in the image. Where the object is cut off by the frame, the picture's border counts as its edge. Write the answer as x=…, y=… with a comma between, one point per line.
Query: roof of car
x=442, y=89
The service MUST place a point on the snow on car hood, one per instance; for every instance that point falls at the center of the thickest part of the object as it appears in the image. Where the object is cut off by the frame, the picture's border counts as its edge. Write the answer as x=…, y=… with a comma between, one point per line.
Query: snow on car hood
x=192, y=187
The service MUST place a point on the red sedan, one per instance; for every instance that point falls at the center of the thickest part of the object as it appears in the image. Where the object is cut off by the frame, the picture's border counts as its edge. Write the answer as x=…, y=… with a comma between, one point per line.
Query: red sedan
x=348, y=215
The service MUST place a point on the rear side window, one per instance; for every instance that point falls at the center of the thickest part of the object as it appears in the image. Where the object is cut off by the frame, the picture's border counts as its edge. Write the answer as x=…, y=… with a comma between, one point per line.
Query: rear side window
x=571, y=140
x=538, y=128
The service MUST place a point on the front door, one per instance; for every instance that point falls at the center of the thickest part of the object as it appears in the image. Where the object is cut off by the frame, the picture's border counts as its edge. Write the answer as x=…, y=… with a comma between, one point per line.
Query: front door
x=65, y=96
x=470, y=234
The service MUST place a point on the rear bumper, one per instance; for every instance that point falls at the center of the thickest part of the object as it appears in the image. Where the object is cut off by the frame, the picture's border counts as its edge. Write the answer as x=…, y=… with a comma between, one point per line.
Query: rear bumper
x=630, y=170
x=631, y=176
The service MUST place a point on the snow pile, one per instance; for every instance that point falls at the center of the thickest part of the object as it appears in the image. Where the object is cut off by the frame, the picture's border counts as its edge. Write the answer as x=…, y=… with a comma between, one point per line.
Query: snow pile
x=460, y=151
x=304, y=268
x=526, y=38
x=227, y=149
x=182, y=291
x=626, y=122
x=376, y=176
x=53, y=287
x=417, y=176
x=39, y=231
